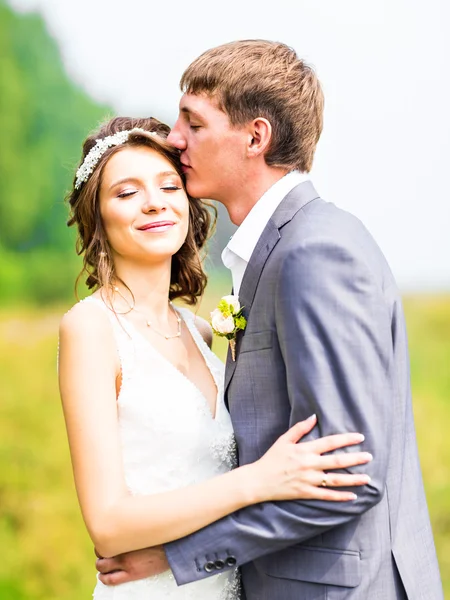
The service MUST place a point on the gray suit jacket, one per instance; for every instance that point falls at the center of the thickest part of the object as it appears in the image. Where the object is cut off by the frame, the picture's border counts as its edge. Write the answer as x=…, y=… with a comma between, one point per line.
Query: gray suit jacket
x=325, y=335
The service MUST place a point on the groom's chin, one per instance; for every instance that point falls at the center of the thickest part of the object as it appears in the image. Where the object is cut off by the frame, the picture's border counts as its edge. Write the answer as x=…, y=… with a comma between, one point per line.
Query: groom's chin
x=194, y=187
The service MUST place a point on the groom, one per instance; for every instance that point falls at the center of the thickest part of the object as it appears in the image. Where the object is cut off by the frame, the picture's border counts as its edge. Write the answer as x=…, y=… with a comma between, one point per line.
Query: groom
x=325, y=335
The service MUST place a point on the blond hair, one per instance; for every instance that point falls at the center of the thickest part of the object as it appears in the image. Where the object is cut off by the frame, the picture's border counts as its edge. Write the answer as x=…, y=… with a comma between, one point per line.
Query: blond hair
x=260, y=78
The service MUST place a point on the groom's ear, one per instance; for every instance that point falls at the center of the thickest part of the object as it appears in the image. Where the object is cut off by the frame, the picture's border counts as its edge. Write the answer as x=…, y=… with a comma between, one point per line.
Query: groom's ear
x=259, y=136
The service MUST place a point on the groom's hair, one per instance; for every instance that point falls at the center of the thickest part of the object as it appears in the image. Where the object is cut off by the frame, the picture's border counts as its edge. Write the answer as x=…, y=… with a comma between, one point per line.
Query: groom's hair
x=260, y=78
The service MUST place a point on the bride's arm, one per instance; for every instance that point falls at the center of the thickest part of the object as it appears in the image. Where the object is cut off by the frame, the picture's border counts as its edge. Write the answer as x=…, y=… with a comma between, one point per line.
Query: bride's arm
x=119, y=522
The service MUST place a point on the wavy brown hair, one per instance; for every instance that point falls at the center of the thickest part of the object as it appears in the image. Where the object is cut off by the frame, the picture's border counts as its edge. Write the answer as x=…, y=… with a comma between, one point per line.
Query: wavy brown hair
x=188, y=280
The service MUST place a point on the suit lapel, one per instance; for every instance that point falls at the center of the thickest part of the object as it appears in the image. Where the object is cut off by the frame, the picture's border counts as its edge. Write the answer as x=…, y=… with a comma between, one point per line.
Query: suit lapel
x=264, y=247
x=289, y=206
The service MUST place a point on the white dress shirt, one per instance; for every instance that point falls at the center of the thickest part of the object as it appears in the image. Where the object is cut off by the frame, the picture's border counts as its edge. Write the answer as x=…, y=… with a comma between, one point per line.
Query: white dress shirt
x=239, y=249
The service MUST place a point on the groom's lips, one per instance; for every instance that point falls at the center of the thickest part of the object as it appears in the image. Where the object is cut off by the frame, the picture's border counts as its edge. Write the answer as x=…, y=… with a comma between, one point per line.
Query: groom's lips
x=185, y=168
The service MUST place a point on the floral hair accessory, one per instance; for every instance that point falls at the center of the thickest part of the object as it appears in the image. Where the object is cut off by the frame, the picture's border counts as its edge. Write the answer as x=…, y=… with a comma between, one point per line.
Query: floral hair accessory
x=227, y=319
x=97, y=151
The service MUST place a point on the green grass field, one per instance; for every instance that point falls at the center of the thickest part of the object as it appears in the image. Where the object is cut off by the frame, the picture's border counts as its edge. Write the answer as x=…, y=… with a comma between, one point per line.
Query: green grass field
x=46, y=553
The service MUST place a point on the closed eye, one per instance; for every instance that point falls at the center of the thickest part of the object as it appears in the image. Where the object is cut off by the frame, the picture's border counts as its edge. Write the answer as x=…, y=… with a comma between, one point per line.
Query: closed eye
x=127, y=194
x=170, y=188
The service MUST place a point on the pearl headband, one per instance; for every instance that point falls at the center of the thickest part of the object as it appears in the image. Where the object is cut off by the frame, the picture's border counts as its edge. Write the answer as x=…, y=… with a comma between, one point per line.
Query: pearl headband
x=101, y=145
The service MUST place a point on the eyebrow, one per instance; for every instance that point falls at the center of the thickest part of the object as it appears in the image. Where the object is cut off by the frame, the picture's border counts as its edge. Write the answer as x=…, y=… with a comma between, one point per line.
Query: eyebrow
x=193, y=113
x=134, y=179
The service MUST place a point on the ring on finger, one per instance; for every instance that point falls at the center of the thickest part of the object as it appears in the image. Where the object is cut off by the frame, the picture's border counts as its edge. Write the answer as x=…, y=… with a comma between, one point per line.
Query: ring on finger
x=324, y=482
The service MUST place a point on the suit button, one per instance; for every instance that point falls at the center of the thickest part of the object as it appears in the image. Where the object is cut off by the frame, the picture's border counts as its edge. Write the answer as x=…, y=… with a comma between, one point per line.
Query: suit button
x=231, y=561
x=219, y=564
x=209, y=566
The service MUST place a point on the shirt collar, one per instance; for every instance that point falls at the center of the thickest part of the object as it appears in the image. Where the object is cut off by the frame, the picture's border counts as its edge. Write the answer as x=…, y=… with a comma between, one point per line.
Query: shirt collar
x=245, y=238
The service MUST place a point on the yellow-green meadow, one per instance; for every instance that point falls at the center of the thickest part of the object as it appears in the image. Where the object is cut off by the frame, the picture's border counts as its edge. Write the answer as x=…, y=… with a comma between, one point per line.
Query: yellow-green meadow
x=46, y=553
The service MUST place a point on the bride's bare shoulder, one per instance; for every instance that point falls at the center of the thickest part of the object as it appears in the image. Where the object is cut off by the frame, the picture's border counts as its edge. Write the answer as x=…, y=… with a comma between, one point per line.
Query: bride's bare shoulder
x=87, y=316
x=86, y=337
x=204, y=328
x=201, y=324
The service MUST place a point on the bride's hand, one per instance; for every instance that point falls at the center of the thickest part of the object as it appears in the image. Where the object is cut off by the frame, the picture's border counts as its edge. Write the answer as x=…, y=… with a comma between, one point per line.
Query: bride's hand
x=291, y=471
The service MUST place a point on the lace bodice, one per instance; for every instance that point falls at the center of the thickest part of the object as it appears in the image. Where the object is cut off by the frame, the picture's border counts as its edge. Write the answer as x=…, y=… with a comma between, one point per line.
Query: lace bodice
x=169, y=439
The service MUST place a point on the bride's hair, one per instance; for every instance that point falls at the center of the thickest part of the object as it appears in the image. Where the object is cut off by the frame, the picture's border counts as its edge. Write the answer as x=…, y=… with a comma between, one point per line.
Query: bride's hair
x=188, y=280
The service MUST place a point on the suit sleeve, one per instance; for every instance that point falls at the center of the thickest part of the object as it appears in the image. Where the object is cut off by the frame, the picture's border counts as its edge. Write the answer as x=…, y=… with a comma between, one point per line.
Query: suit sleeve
x=334, y=332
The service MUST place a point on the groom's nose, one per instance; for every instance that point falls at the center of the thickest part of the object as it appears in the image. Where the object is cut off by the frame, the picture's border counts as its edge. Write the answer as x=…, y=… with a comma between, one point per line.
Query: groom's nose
x=175, y=138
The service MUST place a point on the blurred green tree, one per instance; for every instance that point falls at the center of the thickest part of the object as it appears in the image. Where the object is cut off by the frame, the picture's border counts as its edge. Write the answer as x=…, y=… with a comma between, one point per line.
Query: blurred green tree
x=44, y=118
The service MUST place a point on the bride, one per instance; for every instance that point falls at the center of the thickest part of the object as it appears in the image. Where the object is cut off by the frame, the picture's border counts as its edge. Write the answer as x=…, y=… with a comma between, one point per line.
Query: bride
x=150, y=438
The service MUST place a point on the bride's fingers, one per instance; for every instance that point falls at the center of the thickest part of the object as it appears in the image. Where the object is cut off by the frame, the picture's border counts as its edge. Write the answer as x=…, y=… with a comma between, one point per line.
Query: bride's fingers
x=342, y=460
x=297, y=431
x=327, y=480
x=325, y=493
x=332, y=442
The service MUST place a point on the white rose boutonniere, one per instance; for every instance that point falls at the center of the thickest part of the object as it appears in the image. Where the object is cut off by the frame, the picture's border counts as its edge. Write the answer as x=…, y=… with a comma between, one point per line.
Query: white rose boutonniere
x=227, y=319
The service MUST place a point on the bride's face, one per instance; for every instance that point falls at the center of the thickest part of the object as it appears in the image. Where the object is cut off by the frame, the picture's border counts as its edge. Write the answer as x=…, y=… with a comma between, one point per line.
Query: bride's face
x=144, y=208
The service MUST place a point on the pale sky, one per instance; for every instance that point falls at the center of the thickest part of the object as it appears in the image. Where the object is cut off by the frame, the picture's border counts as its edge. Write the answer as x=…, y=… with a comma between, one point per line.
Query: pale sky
x=384, y=65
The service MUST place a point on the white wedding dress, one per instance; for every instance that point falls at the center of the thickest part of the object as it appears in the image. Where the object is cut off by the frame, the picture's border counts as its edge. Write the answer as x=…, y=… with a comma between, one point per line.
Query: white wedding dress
x=169, y=440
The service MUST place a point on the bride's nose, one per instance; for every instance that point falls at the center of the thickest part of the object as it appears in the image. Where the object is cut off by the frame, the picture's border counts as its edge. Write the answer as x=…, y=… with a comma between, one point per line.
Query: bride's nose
x=154, y=201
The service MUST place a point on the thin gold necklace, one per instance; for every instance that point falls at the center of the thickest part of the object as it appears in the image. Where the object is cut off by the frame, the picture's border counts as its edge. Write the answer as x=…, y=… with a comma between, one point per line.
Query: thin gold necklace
x=149, y=323
x=167, y=337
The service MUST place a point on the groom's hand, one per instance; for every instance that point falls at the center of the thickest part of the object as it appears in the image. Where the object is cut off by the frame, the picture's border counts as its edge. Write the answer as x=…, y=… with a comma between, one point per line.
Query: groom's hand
x=132, y=566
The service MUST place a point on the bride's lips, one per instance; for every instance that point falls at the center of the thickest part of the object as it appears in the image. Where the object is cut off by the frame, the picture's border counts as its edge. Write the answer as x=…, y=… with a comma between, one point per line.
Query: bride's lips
x=157, y=226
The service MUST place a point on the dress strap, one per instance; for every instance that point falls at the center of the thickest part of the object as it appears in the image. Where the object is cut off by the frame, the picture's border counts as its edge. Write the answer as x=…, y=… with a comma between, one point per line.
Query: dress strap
x=212, y=361
x=122, y=336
